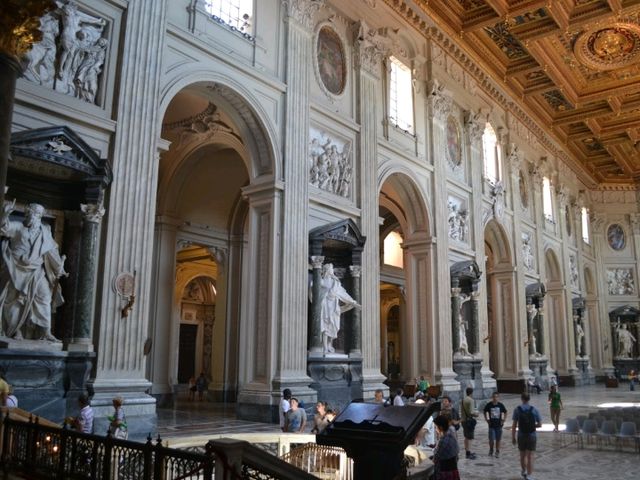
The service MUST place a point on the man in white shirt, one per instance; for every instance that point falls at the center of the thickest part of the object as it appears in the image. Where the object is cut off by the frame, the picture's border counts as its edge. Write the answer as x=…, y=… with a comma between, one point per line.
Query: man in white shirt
x=84, y=421
x=285, y=405
x=398, y=401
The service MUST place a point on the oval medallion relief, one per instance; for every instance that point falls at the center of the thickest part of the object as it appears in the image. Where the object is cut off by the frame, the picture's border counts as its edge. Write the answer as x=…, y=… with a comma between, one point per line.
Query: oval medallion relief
x=331, y=62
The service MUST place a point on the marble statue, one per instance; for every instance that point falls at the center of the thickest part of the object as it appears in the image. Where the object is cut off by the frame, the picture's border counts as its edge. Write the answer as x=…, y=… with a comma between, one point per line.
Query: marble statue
x=573, y=268
x=29, y=276
x=534, y=343
x=463, y=348
x=330, y=169
x=71, y=54
x=532, y=312
x=625, y=341
x=579, y=338
x=498, y=199
x=334, y=301
x=527, y=251
x=458, y=220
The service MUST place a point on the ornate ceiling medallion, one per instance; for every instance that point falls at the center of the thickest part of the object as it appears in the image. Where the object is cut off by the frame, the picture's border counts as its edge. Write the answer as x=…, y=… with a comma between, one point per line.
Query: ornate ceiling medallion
x=609, y=48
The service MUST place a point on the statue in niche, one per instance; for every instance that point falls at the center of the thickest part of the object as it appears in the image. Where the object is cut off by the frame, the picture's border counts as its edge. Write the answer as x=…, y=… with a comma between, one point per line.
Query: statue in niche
x=527, y=251
x=625, y=340
x=532, y=312
x=462, y=327
x=579, y=338
x=29, y=276
x=458, y=222
x=334, y=301
x=498, y=199
x=330, y=169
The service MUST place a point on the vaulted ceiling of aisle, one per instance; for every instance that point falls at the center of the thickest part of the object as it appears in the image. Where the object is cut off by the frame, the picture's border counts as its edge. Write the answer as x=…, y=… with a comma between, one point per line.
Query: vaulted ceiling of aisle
x=573, y=65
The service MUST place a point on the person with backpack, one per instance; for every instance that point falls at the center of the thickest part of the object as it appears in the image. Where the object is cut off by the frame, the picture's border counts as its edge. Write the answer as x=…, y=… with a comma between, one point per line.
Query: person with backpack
x=526, y=419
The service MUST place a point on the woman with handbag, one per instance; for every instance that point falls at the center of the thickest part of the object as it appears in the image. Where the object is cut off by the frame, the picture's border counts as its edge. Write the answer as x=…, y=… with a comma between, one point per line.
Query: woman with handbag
x=445, y=454
x=118, y=425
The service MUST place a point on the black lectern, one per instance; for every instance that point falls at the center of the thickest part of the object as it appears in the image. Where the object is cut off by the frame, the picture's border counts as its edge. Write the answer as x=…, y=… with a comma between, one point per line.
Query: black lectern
x=375, y=436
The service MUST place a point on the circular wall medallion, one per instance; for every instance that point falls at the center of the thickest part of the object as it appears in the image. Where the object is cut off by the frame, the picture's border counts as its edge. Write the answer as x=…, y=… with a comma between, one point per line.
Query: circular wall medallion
x=331, y=62
x=524, y=193
x=454, y=149
x=124, y=284
x=615, y=236
x=610, y=47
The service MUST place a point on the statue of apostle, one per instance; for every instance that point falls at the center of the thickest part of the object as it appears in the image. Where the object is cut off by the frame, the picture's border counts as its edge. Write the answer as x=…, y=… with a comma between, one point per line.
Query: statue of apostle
x=334, y=300
x=31, y=267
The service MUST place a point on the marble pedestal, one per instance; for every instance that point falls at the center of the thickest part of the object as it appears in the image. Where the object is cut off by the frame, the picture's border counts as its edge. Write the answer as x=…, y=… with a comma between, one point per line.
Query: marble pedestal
x=538, y=367
x=47, y=382
x=469, y=374
x=585, y=375
x=624, y=365
x=140, y=412
x=336, y=378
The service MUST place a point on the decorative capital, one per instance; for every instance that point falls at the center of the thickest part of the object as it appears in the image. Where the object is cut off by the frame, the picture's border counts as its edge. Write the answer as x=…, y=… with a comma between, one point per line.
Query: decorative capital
x=441, y=102
x=20, y=25
x=474, y=124
x=634, y=220
x=182, y=243
x=91, y=212
x=303, y=11
x=316, y=261
x=514, y=159
x=536, y=174
x=371, y=48
x=355, y=270
x=563, y=194
x=218, y=254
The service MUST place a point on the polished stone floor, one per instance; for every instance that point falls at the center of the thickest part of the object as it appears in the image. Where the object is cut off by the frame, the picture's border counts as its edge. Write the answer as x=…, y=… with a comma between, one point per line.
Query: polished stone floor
x=553, y=460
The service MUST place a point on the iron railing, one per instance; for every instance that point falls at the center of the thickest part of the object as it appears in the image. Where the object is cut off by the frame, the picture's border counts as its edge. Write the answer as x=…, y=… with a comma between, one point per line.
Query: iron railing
x=46, y=452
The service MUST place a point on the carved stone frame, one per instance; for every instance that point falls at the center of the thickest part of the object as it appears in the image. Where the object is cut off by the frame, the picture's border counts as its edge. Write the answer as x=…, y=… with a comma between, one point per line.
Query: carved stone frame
x=345, y=53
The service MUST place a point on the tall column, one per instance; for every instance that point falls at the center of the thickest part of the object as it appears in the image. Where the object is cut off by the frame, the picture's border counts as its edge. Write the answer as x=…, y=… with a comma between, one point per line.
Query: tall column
x=539, y=324
x=315, y=333
x=291, y=363
x=439, y=107
x=355, y=348
x=474, y=327
x=369, y=52
x=455, y=309
x=88, y=268
x=531, y=314
x=121, y=362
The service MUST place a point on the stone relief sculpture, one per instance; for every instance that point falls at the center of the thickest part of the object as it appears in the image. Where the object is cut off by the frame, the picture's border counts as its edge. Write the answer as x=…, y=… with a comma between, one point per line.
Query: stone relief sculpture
x=31, y=267
x=625, y=341
x=335, y=301
x=573, y=268
x=330, y=169
x=458, y=222
x=497, y=191
x=75, y=39
x=527, y=251
x=620, y=281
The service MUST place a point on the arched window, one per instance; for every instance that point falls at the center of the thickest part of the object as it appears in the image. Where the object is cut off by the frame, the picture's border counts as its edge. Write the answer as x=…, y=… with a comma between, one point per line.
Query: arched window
x=585, y=224
x=547, y=201
x=492, y=154
x=235, y=13
x=400, y=95
x=393, y=250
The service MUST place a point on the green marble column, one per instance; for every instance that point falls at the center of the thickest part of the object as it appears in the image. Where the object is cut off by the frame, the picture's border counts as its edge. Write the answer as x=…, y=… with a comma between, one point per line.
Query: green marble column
x=474, y=348
x=540, y=321
x=355, y=348
x=9, y=71
x=315, y=330
x=455, y=309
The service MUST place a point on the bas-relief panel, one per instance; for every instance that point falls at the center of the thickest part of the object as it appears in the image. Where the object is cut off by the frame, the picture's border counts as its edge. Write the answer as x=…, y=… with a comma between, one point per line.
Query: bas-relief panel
x=330, y=162
x=620, y=281
x=459, y=219
x=528, y=249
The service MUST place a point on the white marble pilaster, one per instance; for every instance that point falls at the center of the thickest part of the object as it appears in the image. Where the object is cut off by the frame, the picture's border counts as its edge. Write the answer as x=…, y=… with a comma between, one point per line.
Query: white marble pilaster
x=121, y=363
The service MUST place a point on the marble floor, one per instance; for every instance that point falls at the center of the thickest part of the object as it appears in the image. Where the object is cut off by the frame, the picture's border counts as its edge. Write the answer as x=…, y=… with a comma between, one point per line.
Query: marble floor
x=553, y=460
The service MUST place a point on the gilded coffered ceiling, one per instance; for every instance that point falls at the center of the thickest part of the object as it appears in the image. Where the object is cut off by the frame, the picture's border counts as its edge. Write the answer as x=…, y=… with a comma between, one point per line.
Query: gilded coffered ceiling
x=573, y=65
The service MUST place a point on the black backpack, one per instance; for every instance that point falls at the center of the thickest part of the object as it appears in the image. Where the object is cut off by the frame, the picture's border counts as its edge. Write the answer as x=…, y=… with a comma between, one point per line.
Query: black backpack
x=526, y=420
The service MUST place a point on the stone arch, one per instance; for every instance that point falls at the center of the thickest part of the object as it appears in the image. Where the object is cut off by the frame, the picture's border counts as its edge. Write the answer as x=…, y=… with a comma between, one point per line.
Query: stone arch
x=404, y=207
x=552, y=266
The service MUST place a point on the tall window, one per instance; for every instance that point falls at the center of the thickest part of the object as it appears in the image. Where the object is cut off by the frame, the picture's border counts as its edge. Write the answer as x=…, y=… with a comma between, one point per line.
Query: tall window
x=393, y=250
x=235, y=13
x=400, y=95
x=585, y=224
x=492, y=154
x=547, y=201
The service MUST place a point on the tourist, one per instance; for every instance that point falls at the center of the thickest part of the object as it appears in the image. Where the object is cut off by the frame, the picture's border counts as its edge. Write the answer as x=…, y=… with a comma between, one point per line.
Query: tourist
x=469, y=412
x=118, y=424
x=320, y=421
x=397, y=400
x=12, y=400
x=285, y=405
x=532, y=384
x=296, y=418
x=4, y=392
x=448, y=410
x=495, y=413
x=526, y=419
x=632, y=380
x=445, y=454
x=378, y=396
x=422, y=384
x=555, y=405
x=84, y=421
x=201, y=386
x=192, y=388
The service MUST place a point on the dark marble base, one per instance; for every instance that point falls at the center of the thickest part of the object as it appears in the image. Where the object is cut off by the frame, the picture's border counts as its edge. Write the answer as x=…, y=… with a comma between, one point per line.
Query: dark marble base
x=585, y=375
x=469, y=374
x=538, y=367
x=47, y=383
x=338, y=380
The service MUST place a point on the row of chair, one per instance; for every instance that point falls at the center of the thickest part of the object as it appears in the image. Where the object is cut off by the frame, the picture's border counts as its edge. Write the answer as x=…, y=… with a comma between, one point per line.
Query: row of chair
x=608, y=432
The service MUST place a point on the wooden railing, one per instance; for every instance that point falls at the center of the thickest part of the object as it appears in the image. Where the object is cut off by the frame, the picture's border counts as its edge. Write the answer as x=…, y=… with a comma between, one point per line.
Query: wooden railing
x=46, y=452
x=324, y=462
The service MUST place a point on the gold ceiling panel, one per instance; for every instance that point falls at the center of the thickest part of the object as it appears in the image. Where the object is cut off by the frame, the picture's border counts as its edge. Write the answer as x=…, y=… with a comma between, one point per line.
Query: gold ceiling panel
x=574, y=65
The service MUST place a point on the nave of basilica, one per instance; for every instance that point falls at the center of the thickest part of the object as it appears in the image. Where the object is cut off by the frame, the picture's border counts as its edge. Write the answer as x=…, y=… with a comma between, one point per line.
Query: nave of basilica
x=327, y=196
